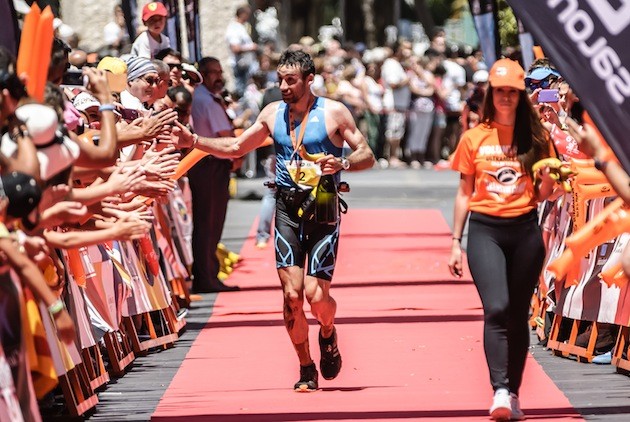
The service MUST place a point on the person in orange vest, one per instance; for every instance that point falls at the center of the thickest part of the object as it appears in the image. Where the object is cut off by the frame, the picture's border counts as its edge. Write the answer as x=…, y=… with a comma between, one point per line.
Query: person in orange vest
x=505, y=244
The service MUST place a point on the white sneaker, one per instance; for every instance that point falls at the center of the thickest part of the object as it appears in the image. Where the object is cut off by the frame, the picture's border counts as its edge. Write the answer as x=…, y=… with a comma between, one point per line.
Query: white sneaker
x=517, y=413
x=501, y=409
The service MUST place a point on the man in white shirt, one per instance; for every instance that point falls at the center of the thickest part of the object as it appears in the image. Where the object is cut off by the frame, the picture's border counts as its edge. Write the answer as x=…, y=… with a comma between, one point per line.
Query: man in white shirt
x=396, y=101
x=209, y=179
x=243, y=58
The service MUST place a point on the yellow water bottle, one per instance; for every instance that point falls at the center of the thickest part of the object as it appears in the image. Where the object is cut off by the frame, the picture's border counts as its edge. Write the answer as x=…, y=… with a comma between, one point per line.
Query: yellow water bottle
x=327, y=201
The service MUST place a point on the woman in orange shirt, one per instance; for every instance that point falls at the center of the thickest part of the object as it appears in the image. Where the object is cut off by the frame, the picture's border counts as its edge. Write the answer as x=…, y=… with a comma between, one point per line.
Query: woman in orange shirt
x=505, y=246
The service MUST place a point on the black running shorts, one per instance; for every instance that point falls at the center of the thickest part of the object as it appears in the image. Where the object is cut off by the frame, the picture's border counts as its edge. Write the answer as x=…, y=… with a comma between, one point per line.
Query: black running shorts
x=296, y=241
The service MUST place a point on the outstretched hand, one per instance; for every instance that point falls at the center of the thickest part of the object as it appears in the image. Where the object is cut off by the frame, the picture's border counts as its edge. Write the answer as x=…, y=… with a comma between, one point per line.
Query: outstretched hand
x=181, y=136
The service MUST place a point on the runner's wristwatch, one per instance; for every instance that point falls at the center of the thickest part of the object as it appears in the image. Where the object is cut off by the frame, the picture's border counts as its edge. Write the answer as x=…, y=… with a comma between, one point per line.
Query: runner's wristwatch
x=345, y=163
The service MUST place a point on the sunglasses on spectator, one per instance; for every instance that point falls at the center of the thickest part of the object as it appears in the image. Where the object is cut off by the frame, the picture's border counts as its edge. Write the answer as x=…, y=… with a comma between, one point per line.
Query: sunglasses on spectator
x=175, y=66
x=534, y=84
x=151, y=80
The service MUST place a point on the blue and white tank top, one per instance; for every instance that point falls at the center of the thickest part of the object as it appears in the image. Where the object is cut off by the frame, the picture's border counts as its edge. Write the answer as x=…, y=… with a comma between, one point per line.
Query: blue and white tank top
x=315, y=139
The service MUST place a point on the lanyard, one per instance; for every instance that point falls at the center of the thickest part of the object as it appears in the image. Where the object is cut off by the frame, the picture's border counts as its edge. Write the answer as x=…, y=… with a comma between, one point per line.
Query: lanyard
x=297, y=142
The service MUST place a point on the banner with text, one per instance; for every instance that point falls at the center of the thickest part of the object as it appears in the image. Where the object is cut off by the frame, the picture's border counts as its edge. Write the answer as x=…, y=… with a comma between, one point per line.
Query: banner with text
x=587, y=40
x=485, y=17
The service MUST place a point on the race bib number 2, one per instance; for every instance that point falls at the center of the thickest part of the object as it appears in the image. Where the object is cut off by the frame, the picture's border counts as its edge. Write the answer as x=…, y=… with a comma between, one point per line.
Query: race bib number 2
x=304, y=173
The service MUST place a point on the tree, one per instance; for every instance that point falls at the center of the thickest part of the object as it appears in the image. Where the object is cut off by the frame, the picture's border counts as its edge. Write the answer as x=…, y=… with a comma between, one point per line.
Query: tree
x=508, y=28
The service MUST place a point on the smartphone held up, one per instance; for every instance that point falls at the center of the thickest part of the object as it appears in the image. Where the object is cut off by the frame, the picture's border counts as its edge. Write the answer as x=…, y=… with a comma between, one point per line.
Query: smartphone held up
x=548, y=96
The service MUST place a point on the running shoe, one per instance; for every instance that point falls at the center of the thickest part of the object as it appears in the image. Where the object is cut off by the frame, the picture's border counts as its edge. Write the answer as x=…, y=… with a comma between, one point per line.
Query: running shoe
x=308, y=379
x=501, y=409
x=517, y=413
x=330, y=363
x=604, y=359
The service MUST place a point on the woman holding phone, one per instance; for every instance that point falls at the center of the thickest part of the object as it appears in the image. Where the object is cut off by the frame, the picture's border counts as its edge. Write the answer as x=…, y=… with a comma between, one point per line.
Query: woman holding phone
x=505, y=245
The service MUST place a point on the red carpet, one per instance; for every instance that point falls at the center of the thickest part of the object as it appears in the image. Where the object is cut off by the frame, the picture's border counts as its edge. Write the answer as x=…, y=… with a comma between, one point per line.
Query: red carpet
x=409, y=334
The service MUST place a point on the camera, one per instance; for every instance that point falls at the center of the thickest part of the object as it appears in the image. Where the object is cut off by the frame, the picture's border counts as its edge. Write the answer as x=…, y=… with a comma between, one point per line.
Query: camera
x=74, y=78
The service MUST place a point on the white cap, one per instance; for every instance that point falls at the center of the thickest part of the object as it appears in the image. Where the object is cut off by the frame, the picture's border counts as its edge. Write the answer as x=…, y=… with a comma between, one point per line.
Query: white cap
x=193, y=73
x=41, y=122
x=480, y=76
x=85, y=100
x=55, y=152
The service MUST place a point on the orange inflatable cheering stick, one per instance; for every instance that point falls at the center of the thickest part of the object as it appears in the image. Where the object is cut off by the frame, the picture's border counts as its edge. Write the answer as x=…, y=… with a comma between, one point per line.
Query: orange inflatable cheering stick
x=583, y=193
x=188, y=162
x=611, y=222
x=35, y=48
x=614, y=274
x=28, y=40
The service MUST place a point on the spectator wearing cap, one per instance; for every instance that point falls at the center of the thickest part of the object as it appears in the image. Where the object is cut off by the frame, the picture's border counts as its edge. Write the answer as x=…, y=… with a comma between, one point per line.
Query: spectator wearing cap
x=55, y=152
x=92, y=155
x=192, y=77
x=88, y=106
x=505, y=246
x=142, y=80
x=541, y=75
x=116, y=71
x=12, y=93
x=151, y=41
x=163, y=71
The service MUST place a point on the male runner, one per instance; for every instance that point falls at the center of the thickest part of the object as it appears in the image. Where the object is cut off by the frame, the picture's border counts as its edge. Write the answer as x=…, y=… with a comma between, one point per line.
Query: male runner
x=328, y=124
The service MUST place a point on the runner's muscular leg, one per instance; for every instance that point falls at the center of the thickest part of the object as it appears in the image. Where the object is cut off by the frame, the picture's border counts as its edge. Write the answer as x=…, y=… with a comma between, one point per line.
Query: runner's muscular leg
x=292, y=279
x=323, y=306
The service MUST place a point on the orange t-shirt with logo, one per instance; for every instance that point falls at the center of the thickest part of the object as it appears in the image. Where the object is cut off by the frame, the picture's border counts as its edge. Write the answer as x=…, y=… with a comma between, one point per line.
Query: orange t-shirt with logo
x=502, y=188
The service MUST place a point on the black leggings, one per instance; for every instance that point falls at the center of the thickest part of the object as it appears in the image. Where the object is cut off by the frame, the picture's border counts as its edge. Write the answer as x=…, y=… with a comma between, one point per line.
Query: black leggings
x=505, y=256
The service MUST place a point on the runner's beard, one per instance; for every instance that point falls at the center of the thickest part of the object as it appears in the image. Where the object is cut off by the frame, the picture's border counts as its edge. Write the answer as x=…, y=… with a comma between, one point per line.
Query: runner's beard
x=290, y=99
